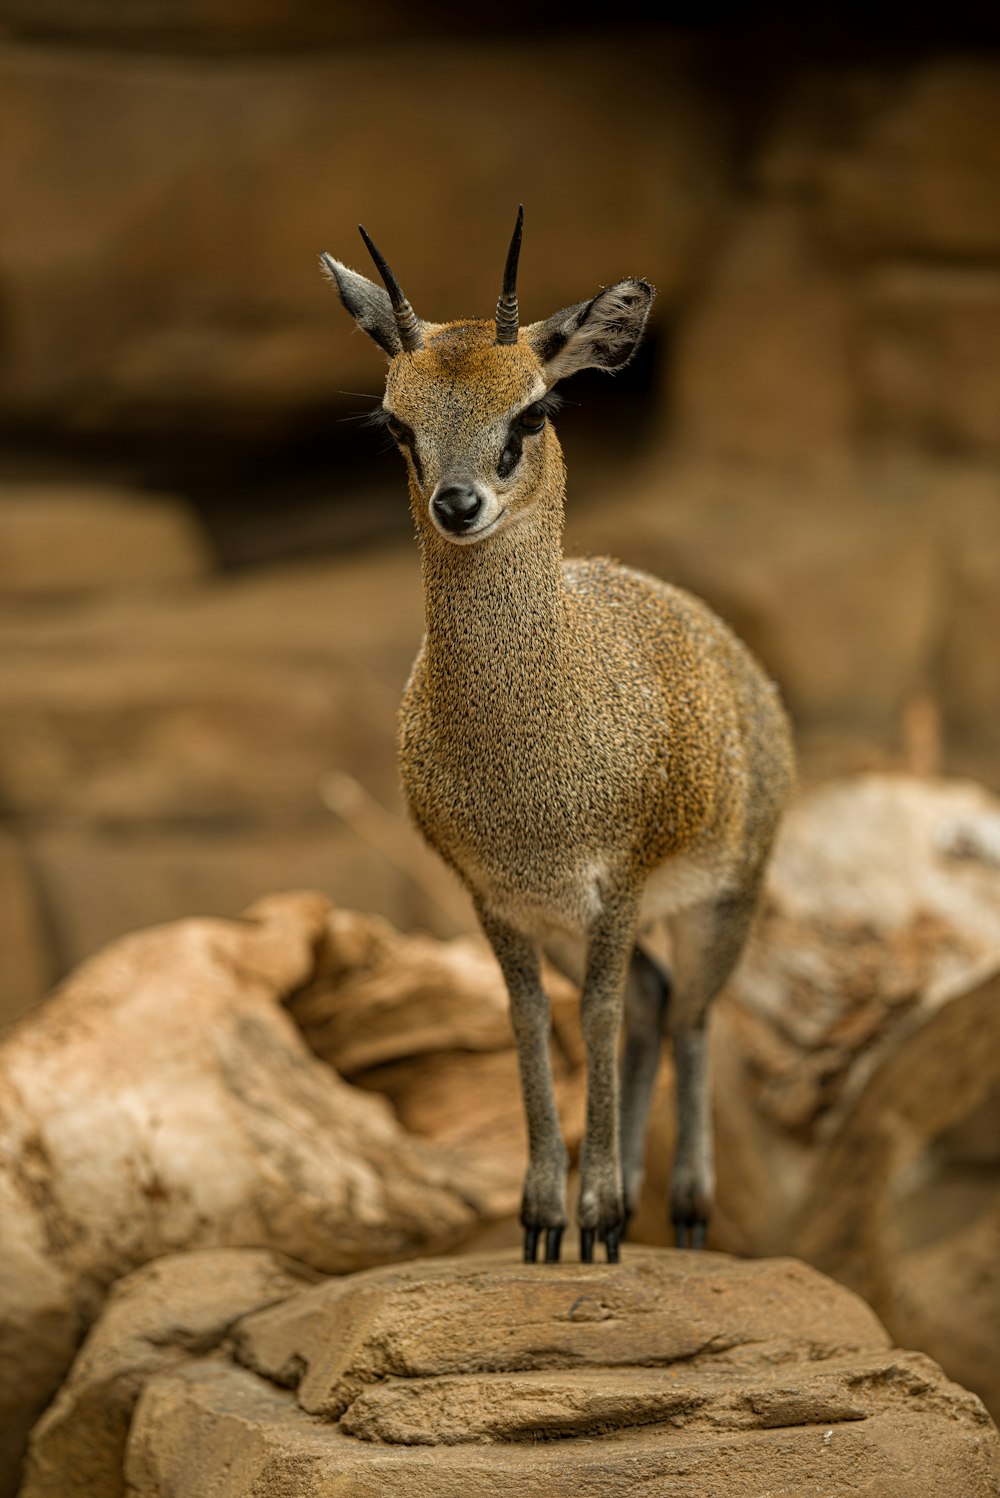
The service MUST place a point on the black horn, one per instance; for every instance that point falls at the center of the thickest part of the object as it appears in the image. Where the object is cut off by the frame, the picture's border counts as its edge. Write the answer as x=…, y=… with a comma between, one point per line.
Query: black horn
x=406, y=318
x=507, y=302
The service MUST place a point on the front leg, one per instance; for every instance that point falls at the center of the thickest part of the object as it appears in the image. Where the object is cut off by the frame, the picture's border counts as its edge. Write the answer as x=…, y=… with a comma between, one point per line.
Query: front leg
x=543, y=1204
x=602, y=1201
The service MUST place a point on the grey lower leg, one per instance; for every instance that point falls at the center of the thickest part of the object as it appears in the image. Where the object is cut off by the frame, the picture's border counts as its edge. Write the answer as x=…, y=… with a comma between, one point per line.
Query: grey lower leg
x=647, y=993
x=707, y=941
x=692, y=1182
x=602, y=1205
x=543, y=1203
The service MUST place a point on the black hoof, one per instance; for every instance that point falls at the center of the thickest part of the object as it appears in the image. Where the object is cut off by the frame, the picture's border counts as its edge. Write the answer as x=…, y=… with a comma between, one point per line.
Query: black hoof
x=587, y=1236
x=531, y=1236
x=612, y=1242
x=553, y=1243
x=689, y=1234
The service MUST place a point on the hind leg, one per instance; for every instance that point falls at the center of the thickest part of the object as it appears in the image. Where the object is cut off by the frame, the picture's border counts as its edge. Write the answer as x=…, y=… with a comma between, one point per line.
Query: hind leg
x=647, y=995
x=707, y=941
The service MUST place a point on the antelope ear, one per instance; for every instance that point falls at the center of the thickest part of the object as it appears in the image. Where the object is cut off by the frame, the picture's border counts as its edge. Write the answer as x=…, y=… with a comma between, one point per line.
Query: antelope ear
x=367, y=303
x=600, y=334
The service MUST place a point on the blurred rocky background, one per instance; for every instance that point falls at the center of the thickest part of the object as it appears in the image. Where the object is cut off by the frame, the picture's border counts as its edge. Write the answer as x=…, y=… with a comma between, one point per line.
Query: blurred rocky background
x=209, y=599
x=208, y=592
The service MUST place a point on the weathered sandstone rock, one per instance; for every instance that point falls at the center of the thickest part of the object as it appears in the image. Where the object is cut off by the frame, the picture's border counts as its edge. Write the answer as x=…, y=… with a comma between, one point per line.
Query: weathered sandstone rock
x=763, y=367
x=177, y=1308
x=58, y=538
x=857, y=1061
x=25, y=958
x=165, y=215
x=913, y=176
x=448, y=1377
x=163, y=1099
x=927, y=368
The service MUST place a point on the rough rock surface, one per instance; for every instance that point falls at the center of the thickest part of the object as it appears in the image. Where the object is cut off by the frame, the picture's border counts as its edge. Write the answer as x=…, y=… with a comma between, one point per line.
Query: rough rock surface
x=178, y=1307
x=164, y=1099
x=426, y=1024
x=857, y=1062
x=108, y=537
x=125, y=303
x=447, y=1377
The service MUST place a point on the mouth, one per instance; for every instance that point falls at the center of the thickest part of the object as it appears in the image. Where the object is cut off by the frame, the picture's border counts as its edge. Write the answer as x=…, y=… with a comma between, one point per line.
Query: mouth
x=468, y=538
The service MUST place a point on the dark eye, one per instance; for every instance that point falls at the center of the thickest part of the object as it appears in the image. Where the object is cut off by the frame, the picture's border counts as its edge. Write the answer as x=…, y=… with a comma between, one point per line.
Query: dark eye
x=398, y=430
x=532, y=418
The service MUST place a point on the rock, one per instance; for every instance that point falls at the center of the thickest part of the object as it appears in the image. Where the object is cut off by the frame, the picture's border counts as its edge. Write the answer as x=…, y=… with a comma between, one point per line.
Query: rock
x=763, y=364
x=199, y=26
x=485, y=1375
x=59, y=538
x=25, y=959
x=858, y=1041
x=178, y=1307
x=928, y=375
x=103, y=882
x=970, y=671
x=915, y=173
x=809, y=568
x=136, y=735
x=164, y=216
x=162, y=1098
x=426, y=1024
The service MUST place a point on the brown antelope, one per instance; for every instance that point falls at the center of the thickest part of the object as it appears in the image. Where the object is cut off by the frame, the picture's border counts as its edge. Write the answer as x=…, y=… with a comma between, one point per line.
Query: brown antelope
x=589, y=748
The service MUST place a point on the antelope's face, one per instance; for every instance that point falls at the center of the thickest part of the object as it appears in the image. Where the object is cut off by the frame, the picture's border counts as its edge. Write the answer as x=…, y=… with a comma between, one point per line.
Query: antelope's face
x=469, y=403
x=471, y=418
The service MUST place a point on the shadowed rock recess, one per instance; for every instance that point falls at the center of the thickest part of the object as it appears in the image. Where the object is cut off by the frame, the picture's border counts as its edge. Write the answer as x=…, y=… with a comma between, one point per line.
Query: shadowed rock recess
x=482, y=1375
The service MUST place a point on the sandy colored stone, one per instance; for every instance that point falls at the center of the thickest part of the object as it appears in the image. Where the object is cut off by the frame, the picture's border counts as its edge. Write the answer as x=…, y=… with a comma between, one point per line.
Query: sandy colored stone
x=763, y=360
x=133, y=735
x=713, y=1376
x=810, y=567
x=26, y=966
x=856, y=1056
x=203, y=24
x=457, y=1317
x=380, y=996
x=58, y=538
x=104, y=882
x=914, y=174
x=927, y=344
x=165, y=216
x=163, y=1099
x=426, y=1024
x=178, y=1307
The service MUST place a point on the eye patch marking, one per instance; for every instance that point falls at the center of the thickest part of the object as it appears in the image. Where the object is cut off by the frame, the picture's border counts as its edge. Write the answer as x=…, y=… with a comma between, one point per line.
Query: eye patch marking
x=399, y=432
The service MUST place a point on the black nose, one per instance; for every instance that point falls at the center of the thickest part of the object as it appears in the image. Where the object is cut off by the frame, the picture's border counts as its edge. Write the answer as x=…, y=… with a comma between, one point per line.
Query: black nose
x=456, y=507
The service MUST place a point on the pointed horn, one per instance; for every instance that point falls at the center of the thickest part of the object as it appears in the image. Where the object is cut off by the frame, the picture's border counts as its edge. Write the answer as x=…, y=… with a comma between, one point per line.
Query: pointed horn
x=406, y=318
x=507, y=302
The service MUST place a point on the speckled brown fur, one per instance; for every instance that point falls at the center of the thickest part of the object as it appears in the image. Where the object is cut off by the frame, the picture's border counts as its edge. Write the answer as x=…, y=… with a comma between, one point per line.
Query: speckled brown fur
x=588, y=747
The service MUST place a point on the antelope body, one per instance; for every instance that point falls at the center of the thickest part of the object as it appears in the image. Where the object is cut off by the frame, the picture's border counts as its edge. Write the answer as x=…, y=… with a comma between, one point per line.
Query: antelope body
x=591, y=749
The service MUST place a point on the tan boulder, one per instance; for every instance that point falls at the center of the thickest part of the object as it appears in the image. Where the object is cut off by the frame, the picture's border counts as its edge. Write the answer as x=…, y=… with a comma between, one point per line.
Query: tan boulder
x=164, y=216
x=763, y=362
x=448, y=1377
x=857, y=1063
x=927, y=367
x=920, y=158
x=162, y=1098
x=425, y=1023
x=811, y=567
x=180, y=1306
x=70, y=538
x=25, y=958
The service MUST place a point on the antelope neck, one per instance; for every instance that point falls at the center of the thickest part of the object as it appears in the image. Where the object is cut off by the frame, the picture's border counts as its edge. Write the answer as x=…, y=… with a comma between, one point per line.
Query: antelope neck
x=496, y=612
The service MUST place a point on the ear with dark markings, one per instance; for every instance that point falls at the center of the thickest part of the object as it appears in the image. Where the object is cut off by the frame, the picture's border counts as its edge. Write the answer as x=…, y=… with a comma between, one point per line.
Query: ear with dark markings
x=367, y=303
x=600, y=334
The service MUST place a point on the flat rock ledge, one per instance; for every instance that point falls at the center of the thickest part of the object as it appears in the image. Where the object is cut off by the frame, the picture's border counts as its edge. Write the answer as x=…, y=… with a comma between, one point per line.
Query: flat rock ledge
x=450, y=1377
